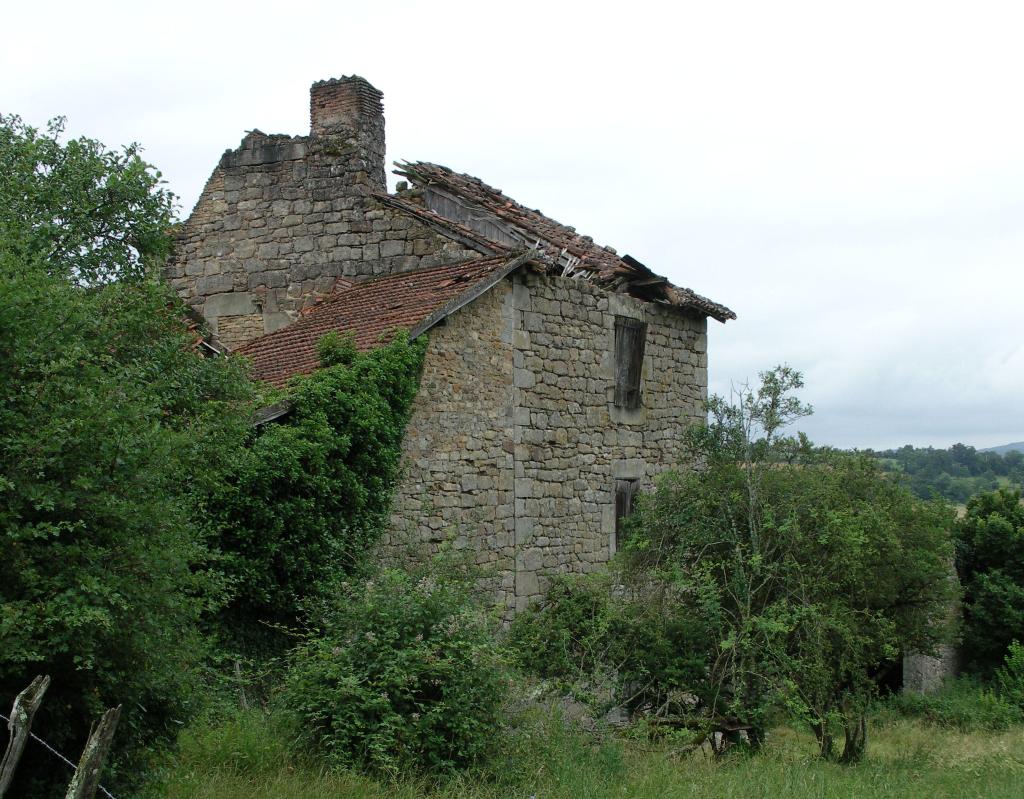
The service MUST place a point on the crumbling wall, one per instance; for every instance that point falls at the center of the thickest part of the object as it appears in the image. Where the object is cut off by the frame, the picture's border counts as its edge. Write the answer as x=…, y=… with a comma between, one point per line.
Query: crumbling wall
x=514, y=446
x=282, y=217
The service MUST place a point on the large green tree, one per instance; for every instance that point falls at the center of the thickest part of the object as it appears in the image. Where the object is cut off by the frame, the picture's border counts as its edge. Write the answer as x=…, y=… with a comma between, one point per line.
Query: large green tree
x=812, y=570
x=112, y=430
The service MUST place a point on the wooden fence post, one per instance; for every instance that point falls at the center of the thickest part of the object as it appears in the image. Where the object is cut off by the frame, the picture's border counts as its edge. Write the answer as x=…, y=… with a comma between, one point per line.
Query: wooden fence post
x=87, y=775
x=25, y=706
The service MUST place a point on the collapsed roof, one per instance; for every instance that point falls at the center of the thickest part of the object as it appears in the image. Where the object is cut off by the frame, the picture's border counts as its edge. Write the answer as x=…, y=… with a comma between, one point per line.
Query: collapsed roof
x=475, y=211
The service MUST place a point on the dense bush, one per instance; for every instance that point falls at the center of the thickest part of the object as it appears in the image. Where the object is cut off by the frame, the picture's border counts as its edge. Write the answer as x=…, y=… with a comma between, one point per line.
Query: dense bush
x=401, y=673
x=309, y=495
x=606, y=648
x=1010, y=676
x=990, y=562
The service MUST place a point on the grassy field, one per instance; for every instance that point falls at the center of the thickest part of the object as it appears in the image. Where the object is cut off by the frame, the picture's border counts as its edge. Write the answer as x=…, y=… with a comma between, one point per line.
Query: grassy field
x=541, y=757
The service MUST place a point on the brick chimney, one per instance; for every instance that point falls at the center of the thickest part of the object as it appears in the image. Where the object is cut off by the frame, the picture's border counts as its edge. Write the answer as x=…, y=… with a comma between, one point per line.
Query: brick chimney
x=349, y=108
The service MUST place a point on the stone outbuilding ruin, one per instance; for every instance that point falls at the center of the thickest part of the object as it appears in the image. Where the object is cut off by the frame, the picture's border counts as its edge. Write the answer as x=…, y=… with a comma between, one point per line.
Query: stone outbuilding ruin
x=558, y=377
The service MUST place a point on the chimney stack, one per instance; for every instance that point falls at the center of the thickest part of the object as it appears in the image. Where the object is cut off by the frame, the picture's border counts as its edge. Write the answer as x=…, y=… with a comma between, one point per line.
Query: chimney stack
x=350, y=108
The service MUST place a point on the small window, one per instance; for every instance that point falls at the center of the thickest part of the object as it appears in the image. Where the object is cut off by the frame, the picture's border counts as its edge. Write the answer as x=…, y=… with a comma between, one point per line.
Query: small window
x=629, y=361
x=625, y=491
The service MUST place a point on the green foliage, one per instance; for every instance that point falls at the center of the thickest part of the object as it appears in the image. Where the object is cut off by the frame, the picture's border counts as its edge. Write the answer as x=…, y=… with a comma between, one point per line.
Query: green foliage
x=309, y=495
x=811, y=570
x=110, y=425
x=990, y=562
x=1010, y=676
x=606, y=648
x=84, y=213
x=402, y=672
x=963, y=704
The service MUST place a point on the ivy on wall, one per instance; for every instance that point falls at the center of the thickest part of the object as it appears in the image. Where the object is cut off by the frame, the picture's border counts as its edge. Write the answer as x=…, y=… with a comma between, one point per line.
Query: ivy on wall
x=309, y=496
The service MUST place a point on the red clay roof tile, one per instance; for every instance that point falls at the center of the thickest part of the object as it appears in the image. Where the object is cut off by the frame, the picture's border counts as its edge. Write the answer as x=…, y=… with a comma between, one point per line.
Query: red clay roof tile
x=373, y=310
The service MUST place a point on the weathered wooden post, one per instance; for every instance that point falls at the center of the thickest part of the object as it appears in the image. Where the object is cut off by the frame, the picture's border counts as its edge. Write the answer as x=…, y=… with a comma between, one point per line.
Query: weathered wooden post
x=87, y=775
x=25, y=706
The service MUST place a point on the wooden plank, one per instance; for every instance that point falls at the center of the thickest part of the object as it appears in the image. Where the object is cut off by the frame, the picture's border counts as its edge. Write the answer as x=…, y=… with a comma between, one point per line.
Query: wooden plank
x=630, y=337
x=25, y=706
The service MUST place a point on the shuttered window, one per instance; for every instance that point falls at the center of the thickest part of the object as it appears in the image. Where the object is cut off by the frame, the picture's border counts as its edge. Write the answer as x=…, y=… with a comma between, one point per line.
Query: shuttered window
x=629, y=360
x=625, y=491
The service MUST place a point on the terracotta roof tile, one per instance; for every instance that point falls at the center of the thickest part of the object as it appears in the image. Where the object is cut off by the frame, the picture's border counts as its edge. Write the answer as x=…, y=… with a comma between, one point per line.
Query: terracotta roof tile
x=373, y=310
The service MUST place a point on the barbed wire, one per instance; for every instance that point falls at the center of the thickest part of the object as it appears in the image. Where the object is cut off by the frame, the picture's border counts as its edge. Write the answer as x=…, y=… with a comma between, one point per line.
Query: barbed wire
x=58, y=754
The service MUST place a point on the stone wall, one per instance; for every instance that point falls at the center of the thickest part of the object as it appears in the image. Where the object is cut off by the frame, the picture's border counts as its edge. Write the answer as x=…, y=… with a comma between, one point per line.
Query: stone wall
x=282, y=217
x=514, y=446
x=571, y=443
x=458, y=448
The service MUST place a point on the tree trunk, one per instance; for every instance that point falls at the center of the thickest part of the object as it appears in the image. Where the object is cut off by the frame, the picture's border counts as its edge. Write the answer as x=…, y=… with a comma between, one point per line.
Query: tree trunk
x=856, y=739
x=25, y=706
x=826, y=743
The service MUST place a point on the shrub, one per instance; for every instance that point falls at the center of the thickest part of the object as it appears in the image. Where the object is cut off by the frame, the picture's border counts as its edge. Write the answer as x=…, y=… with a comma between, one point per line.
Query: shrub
x=606, y=648
x=810, y=567
x=309, y=496
x=110, y=423
x=964, y=704
x=403, y=672
x=1010, y=677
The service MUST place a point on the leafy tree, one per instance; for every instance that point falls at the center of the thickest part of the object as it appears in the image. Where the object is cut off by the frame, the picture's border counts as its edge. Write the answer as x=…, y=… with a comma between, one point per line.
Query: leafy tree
x=990, y=562
x=811, y=569
x=110, y=425
x=82, y=212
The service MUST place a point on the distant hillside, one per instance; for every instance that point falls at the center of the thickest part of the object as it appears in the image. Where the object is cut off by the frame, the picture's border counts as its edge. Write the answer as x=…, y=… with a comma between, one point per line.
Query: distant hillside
x=1017, y=446
x=957, y=473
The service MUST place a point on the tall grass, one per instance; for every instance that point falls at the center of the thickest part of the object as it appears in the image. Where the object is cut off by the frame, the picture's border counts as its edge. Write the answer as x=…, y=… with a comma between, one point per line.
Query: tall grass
x=247, y=755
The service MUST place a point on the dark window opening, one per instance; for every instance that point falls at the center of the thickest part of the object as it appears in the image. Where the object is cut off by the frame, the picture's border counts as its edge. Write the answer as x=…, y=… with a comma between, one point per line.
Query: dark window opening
x=629, y=361
x=625, y=491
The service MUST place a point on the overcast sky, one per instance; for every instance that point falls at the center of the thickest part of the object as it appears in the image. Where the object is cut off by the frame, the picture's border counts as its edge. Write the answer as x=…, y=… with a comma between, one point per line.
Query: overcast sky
x=848, y=177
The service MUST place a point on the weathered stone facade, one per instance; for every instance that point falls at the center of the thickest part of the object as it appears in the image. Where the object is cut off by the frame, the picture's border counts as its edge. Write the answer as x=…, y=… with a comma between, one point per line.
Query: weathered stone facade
x=282, y=217
x=520, y=447
x=515, y=445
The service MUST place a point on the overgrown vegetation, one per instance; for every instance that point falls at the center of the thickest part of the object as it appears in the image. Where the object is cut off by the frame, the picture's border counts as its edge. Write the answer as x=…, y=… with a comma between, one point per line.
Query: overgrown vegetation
x=111, y=430
x=964, y=704
x=400, y=673
x=799, y=574
x=149, y=531
x=307, y=497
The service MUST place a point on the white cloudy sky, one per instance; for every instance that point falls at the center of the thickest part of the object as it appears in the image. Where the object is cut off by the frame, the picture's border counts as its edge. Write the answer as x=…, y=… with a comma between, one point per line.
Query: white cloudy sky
x=848, y=177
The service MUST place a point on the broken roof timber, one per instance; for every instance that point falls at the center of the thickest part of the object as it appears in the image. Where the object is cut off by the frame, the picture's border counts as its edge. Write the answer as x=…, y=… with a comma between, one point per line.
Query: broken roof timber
x=475, y=210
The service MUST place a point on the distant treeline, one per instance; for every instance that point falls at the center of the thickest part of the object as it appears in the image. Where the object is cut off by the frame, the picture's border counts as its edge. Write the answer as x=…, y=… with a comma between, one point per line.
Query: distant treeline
x=957, y=473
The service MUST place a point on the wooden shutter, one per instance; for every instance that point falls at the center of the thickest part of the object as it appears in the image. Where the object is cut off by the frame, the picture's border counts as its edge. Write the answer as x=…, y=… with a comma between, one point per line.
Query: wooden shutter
x=625, y=491
x=630, y=335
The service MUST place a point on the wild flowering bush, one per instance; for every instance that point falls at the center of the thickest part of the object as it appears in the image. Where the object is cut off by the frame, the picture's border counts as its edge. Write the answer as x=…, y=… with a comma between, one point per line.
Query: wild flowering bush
x=403, y=673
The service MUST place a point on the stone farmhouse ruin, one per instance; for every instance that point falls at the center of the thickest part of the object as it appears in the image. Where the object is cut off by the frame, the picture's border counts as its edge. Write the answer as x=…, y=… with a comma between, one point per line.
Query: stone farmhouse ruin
x=558, y=377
